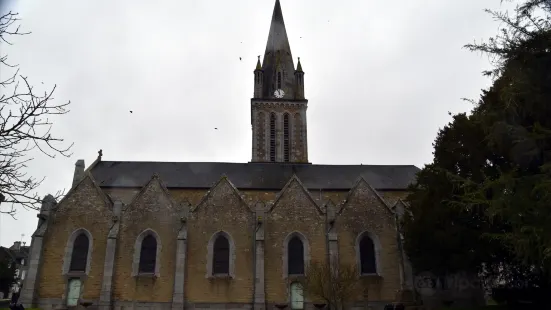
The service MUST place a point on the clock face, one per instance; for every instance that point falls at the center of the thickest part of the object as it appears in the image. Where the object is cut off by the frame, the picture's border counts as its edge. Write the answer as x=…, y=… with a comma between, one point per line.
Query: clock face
x=279, y=93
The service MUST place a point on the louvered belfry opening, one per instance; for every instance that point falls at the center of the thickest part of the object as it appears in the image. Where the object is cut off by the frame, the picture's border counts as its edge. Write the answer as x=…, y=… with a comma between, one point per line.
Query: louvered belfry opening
x=79, y=256
x=148, y=255
x=272, y=137
x=286, y=141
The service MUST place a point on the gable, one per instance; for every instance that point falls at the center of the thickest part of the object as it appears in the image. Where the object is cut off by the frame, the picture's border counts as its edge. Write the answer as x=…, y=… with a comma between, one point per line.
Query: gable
x=401, y=208
x=294, y=191
x=85, y=196
x=153, y=197
x=222, y=194
x=363, y=196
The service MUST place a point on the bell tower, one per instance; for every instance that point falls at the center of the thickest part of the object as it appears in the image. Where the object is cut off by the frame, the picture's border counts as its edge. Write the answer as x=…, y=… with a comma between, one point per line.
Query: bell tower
x=278, y=108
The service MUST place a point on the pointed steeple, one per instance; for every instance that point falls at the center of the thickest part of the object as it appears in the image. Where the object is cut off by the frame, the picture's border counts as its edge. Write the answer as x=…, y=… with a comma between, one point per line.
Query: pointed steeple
x=258, y=79
x=277, y=38
x=299, y=81
x=258, y=65
x=299, y=66
x=278, y=63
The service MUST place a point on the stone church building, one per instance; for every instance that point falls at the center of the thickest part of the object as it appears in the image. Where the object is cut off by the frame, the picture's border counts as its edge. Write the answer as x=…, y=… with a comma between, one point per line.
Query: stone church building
x=175, y=235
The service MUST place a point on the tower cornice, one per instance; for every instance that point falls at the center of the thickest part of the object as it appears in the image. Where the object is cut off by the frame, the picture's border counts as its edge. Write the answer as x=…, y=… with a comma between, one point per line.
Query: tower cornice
x=280, y=102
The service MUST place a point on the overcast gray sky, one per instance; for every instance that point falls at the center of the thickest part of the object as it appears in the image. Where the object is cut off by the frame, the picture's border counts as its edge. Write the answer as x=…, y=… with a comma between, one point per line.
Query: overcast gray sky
x=380, y=77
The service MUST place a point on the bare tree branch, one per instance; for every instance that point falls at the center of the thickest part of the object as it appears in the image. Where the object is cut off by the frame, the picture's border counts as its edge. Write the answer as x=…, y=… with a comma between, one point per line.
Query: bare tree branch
x=24, y=127
x=334, y=284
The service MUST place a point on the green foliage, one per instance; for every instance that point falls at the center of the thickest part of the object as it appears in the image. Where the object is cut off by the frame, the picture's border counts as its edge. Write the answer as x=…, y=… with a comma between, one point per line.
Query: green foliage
x=483, y=204
x=515, y=115
x=7, y=275
x=442, y=237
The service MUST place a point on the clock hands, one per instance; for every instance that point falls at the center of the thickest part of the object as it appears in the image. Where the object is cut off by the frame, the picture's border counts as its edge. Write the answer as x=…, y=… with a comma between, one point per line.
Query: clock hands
x=279, y=93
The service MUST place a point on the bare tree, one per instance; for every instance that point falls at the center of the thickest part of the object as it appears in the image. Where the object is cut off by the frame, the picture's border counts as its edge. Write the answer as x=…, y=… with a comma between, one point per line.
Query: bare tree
x=335, y=284
x=24, y=127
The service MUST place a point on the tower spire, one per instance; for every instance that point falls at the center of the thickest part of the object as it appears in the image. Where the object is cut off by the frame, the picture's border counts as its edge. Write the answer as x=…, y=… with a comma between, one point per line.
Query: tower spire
x=277, y=37
x=278, y=63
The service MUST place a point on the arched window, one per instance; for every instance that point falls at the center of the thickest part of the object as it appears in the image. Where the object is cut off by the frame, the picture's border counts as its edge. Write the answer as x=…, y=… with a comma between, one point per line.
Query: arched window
x=297, y=296
x=148, y=255
x=295, y=256
x=147, y=250
x=286, y=144
x=368, y=263
x=79, y=256
x=78, y=253
x=272, y=137
x=221, y=256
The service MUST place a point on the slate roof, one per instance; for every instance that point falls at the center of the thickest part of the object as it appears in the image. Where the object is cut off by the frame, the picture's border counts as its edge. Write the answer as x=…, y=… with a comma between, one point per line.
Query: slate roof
x=268, y=176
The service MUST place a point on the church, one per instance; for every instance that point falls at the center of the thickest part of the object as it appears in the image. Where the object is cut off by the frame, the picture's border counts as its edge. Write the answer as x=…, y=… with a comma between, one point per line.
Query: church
x=189, y=235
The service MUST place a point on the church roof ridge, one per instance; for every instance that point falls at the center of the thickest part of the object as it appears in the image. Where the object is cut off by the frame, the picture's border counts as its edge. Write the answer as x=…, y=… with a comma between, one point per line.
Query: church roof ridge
x=253, y=163
x=252, y=175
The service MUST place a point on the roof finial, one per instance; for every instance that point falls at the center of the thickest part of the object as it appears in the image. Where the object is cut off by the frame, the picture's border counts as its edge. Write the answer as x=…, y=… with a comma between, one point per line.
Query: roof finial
x=100, y=154
x=299, y=66
x=258, y=65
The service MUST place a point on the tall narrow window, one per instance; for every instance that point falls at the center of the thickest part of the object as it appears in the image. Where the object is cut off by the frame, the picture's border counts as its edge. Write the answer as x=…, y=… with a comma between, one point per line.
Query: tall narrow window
x=221, y=256
x=297, y=296
x=286, y=144
x=79, y=256
x=295, y=257
x=148, y=255
x=367, y=256
x=279, y=80
x=272, y=137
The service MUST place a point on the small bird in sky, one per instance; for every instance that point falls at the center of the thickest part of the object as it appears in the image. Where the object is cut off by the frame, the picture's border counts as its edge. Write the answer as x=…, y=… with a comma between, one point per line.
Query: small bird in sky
x=130, y=111
x=240, y=58
x=215, y=128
